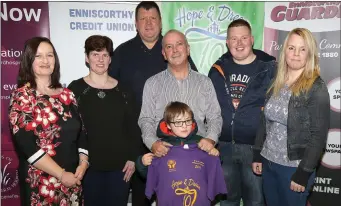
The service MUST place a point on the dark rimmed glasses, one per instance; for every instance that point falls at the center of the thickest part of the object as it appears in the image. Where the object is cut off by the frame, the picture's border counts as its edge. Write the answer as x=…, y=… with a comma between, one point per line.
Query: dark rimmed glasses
x=188, y=122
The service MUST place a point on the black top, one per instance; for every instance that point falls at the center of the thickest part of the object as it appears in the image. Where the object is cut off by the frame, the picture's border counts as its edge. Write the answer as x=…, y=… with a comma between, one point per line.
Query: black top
x=133, y=63
x=111, y=125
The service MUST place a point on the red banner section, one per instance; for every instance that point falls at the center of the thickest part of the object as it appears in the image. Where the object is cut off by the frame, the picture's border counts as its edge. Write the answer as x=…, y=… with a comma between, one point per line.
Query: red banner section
x=19, y=22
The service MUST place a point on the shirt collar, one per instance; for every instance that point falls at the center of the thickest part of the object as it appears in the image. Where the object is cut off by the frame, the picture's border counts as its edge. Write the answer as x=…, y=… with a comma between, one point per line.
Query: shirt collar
x=170, y=74
x=139, y=41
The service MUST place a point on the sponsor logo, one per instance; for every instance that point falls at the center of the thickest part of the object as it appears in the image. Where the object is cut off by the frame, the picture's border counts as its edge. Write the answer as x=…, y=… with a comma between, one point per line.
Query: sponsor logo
x=9, y=174
x=334, y=94
x=171, y=165
x=306, y=11
x=331, y=158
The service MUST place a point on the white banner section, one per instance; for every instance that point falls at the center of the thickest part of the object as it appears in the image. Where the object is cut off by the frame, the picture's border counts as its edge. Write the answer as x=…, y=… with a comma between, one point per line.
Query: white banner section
x=71, y=23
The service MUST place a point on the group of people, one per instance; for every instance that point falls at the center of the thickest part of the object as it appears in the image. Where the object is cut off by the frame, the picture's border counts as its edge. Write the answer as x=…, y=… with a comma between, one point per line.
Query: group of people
x=145, y=105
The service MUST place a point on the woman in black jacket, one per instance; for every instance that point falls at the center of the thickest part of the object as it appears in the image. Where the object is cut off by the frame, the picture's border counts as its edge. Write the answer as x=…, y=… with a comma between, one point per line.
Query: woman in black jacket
x=295, y=123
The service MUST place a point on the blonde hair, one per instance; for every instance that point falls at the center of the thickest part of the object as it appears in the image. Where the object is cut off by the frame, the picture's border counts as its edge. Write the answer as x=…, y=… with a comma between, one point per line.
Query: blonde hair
x=311, y=69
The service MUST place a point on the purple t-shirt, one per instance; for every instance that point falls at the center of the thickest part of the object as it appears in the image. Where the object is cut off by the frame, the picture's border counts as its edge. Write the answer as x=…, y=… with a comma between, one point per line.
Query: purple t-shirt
x=185, y=177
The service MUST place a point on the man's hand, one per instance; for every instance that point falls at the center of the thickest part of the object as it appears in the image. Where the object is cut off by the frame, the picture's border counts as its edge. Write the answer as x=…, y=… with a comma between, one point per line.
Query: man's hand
x=213, y=152
x=147, y=159
x=160, y=148
x=129, y=170
x=206, y=144
x=296, y=187
x=257, y=168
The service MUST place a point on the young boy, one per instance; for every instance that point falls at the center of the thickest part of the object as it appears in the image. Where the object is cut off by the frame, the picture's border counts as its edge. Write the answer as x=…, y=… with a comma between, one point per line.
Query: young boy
x=186, y=175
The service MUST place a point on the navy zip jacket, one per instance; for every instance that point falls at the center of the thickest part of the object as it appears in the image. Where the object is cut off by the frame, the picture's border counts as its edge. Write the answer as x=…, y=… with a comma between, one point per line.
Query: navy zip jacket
x=240, y=126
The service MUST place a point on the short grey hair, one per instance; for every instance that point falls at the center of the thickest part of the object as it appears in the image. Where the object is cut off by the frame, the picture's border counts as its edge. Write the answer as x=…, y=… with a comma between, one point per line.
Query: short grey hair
x=174, y=31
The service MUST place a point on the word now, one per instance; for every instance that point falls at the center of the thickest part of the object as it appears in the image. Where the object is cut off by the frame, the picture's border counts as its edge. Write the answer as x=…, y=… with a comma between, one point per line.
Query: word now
x=16, y=14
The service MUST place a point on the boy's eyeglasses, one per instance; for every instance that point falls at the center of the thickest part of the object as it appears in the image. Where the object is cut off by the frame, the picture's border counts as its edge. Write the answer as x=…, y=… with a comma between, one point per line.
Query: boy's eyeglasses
x=180, y=123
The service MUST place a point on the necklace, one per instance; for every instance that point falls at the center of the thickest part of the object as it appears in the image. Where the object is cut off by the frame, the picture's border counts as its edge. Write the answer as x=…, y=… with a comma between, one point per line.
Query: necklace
x=101, y=94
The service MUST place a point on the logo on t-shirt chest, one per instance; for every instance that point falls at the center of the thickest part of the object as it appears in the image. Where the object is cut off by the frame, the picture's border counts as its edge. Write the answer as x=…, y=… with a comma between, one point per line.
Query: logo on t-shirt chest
x=171, y=165
x=198, y=164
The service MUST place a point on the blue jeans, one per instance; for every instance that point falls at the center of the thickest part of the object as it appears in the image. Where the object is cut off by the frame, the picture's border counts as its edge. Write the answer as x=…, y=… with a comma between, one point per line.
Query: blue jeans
x=276, y=185
x=240, y=180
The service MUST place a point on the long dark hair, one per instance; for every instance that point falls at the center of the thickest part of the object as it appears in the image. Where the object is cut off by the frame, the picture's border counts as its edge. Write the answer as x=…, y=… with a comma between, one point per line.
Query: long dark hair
x=26, y=74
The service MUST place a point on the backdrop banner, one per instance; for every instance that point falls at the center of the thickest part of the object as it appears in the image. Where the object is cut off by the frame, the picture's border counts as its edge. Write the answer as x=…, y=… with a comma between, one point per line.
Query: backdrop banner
x=19, y=22
x=323, y=20
x=68, y=24
x=205, y=25
x=71, y=23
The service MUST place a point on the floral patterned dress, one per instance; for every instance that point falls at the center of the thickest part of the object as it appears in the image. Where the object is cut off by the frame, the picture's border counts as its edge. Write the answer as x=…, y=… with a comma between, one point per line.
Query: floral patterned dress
x=46, y=125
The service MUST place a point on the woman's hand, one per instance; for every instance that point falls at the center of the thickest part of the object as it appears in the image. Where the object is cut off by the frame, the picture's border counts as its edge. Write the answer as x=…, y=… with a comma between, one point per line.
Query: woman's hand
x=296, y=187
x=80, y=171
x=68, y=179
x=257, y=168
x=129, y=170
x=147, y=159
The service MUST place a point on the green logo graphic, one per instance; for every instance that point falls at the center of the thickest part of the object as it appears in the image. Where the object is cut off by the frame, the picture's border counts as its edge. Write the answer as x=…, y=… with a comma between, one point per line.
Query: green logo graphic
x=205, y=26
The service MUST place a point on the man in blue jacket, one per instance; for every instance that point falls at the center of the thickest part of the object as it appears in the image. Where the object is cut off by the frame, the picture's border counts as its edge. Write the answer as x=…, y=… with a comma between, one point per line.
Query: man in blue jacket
x=241, y=77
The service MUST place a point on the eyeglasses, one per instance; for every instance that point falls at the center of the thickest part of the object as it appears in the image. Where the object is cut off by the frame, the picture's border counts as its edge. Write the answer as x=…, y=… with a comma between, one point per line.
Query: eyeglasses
x=180, y=123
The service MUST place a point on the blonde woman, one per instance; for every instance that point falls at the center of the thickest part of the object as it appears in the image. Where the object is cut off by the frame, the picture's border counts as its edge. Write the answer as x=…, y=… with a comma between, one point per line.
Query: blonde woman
x=294, y=125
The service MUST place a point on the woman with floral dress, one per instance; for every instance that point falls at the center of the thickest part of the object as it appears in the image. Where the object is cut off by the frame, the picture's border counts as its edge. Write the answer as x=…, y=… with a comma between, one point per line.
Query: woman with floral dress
x=47, y=130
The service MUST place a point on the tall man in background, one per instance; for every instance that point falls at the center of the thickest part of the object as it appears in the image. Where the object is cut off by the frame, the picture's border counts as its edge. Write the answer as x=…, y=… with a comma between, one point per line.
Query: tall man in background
x=134, y=62
x=241, y=77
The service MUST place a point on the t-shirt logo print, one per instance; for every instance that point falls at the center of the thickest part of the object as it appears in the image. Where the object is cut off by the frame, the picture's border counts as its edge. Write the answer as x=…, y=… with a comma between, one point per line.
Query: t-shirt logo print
x=171, y=165
x=198, y=164
x=189, y=191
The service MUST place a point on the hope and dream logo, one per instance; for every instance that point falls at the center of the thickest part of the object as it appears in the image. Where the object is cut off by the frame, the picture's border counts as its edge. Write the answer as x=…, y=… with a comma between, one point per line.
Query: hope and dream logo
x=205, y=28
x=215, y=14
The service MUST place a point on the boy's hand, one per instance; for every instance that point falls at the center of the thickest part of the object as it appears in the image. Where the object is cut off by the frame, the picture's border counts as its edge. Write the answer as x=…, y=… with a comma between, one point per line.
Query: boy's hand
x=147, y=159
x=213, y=152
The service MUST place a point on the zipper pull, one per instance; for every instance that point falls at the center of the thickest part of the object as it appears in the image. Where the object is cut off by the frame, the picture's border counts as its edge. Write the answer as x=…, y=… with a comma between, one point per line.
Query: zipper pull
x=232, y=118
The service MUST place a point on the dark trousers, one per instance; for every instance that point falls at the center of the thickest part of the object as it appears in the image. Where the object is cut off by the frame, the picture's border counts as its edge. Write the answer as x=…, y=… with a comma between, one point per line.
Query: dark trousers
x=138, y=185
x=240, y=180
x=105, y=188
x=276, y=185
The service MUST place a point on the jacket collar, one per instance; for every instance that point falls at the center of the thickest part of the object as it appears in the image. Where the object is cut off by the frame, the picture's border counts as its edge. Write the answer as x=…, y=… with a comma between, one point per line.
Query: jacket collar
x=263, y=56
x=168, y=136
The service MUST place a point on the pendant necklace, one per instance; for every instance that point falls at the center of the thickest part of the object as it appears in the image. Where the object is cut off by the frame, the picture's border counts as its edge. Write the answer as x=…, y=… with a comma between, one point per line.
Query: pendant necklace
x=101, y=94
